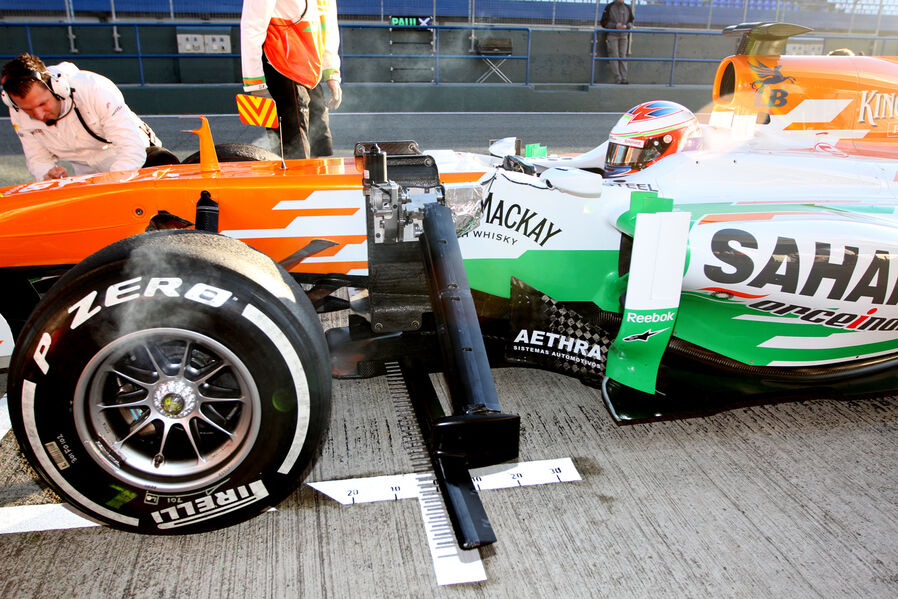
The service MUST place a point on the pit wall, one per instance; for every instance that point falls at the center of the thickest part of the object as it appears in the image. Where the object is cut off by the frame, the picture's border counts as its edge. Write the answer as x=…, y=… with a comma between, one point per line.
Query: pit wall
x=395, y=70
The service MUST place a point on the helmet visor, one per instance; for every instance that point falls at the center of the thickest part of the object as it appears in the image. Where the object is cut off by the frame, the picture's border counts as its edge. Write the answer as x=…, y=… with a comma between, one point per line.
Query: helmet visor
x=624, y=153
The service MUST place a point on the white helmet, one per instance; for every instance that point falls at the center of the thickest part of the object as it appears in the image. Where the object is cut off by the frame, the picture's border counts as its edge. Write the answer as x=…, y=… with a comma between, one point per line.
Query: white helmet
x=649, y=132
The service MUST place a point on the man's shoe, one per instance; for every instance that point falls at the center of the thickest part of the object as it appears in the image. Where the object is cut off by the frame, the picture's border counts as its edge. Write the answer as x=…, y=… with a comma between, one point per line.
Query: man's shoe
x=624, y=82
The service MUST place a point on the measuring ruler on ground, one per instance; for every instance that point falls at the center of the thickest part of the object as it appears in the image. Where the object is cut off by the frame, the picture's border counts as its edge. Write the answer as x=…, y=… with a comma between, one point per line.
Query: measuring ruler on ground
x=452, y=565
x=403, y=486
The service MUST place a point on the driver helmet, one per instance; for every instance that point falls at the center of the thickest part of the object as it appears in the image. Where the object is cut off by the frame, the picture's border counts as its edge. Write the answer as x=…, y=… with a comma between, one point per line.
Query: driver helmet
x=649, y=132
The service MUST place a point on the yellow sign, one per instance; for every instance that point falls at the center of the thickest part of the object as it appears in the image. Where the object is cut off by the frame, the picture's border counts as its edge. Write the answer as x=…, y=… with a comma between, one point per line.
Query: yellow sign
x=257, y=110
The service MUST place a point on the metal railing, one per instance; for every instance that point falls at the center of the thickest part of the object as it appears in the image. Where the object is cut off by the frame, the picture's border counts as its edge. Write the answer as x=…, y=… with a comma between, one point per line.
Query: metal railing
x=598, y=34
x=437, y=57
x=140, y=56
x=830, y=15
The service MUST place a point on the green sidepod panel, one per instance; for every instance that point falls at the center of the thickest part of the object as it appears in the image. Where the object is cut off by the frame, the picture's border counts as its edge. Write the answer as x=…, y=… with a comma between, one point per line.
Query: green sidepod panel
x=565, y=276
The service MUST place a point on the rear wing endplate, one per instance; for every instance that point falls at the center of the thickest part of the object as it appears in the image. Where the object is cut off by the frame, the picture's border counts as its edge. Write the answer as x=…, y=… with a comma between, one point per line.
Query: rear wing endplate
x=764, y=39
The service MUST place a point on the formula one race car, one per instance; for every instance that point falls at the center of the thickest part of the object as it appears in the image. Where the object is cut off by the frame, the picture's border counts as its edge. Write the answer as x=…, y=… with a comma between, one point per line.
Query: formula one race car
x=173, y=376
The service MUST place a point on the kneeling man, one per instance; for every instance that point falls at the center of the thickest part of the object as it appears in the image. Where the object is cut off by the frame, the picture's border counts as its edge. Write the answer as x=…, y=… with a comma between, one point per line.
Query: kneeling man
x=64, y=113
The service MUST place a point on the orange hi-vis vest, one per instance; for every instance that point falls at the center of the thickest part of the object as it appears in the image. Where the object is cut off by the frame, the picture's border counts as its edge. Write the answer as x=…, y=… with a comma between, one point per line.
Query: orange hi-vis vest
x=300, y=40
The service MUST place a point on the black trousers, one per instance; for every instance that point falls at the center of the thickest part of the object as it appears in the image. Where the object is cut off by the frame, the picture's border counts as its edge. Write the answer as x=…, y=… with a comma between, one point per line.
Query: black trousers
x=292, y=101
x=319, y=123
x=158, y=156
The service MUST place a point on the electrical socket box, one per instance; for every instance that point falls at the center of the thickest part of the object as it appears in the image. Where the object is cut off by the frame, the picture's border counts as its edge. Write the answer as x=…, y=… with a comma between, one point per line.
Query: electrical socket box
x=191, y=43
x=204, y=54
x=205, y=40
x=218, y=43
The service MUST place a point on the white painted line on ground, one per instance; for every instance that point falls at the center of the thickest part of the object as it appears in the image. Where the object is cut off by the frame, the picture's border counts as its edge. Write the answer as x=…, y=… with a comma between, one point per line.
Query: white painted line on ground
x=45, y=516
x=28, y=518
x=5, y=424
x=48, y=516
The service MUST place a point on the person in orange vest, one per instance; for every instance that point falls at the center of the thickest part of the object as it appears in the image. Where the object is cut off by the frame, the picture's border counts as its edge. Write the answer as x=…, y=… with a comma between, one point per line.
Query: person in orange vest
x=287, y=47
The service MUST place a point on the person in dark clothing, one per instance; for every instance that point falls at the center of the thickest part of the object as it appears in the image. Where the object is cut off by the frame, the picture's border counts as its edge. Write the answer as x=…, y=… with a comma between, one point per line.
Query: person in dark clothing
x=618, y=17
x=320, y=139
x=288, y=47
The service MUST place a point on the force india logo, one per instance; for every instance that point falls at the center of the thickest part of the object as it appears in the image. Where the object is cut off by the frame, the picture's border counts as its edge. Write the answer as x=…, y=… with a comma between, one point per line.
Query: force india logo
x=782, y=270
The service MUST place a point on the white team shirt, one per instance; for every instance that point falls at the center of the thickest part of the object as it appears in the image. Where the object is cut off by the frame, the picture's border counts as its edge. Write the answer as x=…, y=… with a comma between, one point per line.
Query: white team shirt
x=255, y=19
x=105, y=112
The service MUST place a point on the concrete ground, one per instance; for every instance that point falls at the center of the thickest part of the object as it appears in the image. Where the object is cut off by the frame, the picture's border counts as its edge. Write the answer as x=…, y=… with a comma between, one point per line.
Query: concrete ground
x=794, y=500
x=791, y=500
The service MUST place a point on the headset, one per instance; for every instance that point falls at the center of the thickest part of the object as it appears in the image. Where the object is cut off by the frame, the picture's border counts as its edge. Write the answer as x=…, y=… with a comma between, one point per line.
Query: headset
x=54, y=80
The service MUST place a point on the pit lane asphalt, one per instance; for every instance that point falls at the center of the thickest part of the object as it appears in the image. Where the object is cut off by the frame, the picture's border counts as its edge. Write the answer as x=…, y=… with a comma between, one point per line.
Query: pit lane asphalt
x=562, y=133
x=797, y=500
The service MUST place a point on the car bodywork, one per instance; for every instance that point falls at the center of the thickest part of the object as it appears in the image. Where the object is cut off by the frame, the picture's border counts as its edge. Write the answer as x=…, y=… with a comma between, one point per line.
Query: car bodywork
x=757, y=267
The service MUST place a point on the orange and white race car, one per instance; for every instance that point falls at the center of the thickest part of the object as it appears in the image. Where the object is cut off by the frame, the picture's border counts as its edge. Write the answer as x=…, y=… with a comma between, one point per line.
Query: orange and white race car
x=171, y=374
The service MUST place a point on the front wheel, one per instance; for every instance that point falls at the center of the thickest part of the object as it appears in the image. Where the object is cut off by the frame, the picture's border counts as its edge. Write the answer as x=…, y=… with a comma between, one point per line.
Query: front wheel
x=231, y=152
x=174, y=382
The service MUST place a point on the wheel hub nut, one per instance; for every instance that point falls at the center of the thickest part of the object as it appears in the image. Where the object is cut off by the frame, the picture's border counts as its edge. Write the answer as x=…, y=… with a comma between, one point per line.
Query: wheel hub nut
x=174, y=399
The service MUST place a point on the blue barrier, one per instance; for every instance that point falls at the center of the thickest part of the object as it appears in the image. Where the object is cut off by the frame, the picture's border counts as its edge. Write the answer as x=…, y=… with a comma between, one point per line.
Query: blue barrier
x=666, y=13
x=35, y=6
x=139, y=55
x=129, y=6
x=497, y=9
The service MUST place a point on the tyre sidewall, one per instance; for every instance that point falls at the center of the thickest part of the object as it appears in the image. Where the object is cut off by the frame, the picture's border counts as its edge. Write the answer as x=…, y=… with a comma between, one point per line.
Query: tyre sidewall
x=283, y=364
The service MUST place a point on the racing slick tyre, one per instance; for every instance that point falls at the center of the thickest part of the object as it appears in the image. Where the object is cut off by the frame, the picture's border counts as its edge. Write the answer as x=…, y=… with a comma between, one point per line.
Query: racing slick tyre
x=236, y=153
x=173, y=382
x=17, y=301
